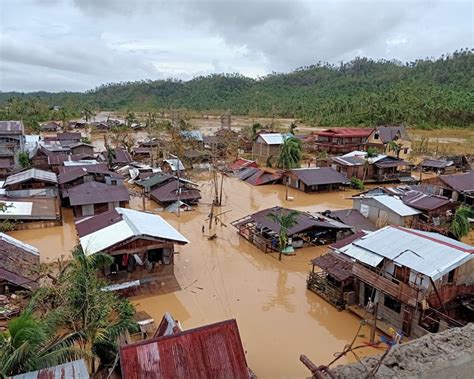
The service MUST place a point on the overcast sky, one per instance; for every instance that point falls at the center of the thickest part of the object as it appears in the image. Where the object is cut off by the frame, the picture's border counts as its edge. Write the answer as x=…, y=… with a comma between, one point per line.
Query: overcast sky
x=76, y=45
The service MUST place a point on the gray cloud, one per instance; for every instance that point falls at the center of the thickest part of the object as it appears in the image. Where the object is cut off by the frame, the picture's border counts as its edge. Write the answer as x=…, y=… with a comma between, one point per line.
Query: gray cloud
x=79, y=44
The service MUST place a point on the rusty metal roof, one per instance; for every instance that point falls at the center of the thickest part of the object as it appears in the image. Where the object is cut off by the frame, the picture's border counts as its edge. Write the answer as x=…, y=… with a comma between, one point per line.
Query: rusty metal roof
x=70, y=173
x=11, y=127
x=66, y=136
x=97, y=193
x=461, y=182
x=211, y=351
x=425, y=201
x=169, y=192
x=436, y=163
x=335, y=265
x=71, y=370
x=346, y=132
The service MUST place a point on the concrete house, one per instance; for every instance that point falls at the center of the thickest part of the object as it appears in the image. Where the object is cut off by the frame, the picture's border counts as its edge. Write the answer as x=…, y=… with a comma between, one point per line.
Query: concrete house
x=12, y=141
x=142, y=245
x=416, y=281
x=385, y=210
x=382, y=136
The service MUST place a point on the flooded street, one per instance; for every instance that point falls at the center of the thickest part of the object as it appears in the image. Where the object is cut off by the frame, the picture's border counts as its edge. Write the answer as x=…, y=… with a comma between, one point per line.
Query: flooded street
x=278, y=318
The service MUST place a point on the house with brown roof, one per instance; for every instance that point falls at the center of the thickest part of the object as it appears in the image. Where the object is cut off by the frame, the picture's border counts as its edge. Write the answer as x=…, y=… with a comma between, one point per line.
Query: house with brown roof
x=384, y=139
x=50, y=127
x=378, y=169
x=309, y=230
x=168, y=192
x=457, y=187
x=141, y=244
x=82, y=148
x=19, y=263
x=210, y=351
x=92, y=198
x=316, y=179
x=12, y=141
x=70, y=176
x=121, y=157
x=342, y=140
x=31, y=182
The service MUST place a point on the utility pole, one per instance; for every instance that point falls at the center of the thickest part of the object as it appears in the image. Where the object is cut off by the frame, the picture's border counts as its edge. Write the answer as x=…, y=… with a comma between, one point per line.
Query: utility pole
x=178, y=189
x=373, y=325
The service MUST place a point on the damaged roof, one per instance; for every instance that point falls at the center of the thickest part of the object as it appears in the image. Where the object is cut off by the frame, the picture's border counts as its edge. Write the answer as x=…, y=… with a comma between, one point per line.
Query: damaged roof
x=304, y=221
x=353, y=218
x=211, y=351
x=103, y=231
x=336, y=265
x=425, y=201
x=169, y=192
x=391, y=133
x=11, y=127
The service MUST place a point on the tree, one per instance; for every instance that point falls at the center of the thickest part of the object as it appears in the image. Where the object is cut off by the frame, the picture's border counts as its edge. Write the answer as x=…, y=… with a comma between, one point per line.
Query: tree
x=30, y=344
x=100, y=316
x=460, y=226
x=285, y=222
x=289, y=157
x=24, y=159
x=87, y=113
x=393, y=146
x=130, y=118
x=256, y=126
x=372, y=152
x=120, y=136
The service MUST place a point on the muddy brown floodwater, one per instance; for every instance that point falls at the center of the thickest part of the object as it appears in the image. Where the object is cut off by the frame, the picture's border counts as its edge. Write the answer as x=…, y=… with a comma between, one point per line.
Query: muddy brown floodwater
x=278, y=318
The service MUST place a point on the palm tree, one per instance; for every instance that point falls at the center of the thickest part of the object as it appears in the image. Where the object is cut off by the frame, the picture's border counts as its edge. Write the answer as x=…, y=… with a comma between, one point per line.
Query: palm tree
x=285, y=222
x=289, y=157
x=88, y=113
x=30, y=344
x=393, y=146
x=460, y=226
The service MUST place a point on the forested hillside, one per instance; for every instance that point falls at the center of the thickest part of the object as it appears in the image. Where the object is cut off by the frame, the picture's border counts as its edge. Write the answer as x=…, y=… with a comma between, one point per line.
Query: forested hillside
x=422, y=93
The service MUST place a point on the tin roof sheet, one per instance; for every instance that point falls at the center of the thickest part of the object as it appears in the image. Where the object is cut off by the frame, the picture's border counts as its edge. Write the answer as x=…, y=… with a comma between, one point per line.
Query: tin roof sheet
x=71, y=370
x=11, y=127
x=174, y=164
x=272, y=138
x=32, y=173
x=319, y=176
x=97, y=193
x=428, y=253
x=211, y=351
x=396, y=205
x=130, y=223
x=461, y=182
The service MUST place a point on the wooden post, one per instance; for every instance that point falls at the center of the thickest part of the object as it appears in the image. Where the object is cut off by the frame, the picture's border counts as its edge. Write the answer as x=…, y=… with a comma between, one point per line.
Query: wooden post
x=211, y=216
x=222, y=185
x=373, y=326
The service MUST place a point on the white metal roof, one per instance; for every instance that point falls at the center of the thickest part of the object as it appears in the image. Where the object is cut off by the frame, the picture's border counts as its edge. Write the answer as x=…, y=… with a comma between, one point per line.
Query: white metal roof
x=17, y=208
x=174, y=163
x=361, y=255
x=272, y=138
x=32, y=173
x=82, y=162
x=134, y=223
x=363, y=154
x=396, y=205
x=13, y=241
x=432, y=255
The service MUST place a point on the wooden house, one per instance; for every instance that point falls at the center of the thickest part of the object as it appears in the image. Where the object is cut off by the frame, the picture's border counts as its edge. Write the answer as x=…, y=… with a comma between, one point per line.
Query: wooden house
x=378, y=169
x=6, y=167
x=92, y=198
x=121, y=157
x=142, y=245
x=51, y=127
x=342, y=140
x=457, y=187
x=266, y=147
x=70, y=176
x=260, y=230
x=188, y=354
x=168, y=191
x=316, y=179
x=30, y=182
x=82, y=148
x=413, y=280
x=12, y=141
x=19, y=264
x=384, y=138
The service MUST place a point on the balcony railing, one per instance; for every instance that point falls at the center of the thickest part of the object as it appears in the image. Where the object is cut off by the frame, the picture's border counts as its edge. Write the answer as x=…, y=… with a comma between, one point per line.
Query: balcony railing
x=396, y=289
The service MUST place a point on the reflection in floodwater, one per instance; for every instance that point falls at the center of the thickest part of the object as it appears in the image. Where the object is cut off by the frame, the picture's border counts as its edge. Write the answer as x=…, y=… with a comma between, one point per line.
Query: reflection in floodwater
x=227, y=277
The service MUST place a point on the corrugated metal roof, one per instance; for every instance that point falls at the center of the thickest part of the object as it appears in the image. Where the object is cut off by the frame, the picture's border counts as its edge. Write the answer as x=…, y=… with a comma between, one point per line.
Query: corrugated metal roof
x=71, y=370
x=32, y=173
x=362, y=255
x=97, y=193
x=211, y=351
x=424, y=201
x=132, y=223
x=346, y=132
x=461, y=182
x=428, y=253
x=174, y=164
x=273, y=138
x=436, y=163
x=396, y=205
x=11, y=127
x=390, y=133
x=24, y=246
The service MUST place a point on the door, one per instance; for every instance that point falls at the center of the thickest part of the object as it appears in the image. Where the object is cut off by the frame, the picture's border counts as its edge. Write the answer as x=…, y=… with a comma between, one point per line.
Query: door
x=407, y=320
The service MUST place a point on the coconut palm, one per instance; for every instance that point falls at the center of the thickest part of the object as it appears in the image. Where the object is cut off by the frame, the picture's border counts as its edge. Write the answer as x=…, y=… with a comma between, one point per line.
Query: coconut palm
x=285, y=221
x=393, y=146
x=460, y=226
x=290, y=156
x=30, y=344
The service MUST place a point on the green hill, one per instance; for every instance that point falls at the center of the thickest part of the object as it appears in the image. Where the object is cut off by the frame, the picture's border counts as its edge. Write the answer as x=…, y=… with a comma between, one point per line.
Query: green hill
x=422, y=93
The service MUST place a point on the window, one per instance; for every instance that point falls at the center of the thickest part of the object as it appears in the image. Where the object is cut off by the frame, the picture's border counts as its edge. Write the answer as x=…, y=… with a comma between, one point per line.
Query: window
x=392, y=304
x=451, y=276
x=376, y=135
x=113, y=182
x=405, y=150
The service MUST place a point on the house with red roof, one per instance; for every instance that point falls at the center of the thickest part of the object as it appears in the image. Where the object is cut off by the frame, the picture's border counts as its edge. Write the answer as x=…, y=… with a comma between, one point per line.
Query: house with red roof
x=342, y=140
